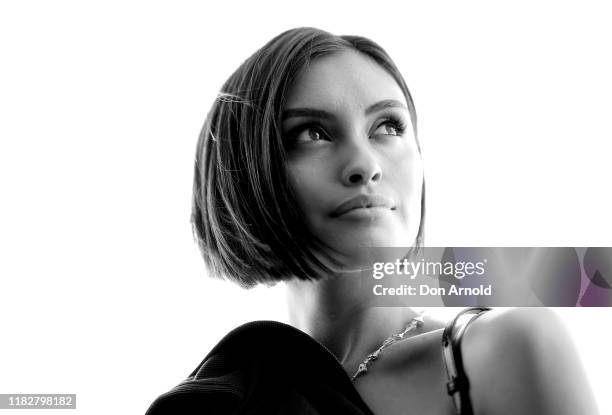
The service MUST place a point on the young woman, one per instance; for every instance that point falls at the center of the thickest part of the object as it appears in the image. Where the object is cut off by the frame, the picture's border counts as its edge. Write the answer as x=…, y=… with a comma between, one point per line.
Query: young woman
x=308, y=157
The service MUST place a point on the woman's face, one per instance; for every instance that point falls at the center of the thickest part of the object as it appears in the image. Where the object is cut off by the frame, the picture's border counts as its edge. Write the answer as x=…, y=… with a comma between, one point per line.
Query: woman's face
x=353, y=158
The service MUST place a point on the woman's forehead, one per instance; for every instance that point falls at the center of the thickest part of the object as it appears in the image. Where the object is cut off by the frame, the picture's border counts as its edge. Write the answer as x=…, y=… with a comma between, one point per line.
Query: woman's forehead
x=346, y=78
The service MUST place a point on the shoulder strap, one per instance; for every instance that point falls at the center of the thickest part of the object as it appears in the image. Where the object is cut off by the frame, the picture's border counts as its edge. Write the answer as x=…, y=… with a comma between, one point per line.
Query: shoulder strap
x=458, y=386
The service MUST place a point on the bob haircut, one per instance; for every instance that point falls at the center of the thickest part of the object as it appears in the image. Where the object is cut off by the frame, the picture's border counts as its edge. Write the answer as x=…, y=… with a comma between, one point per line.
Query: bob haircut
x=245, y=217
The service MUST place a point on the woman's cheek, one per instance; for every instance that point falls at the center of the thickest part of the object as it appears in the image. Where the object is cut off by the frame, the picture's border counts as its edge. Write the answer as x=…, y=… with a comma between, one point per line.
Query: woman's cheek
x=305, y=184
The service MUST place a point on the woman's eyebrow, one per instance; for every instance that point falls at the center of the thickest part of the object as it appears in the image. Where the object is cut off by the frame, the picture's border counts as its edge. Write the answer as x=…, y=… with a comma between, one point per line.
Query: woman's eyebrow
x=307, y=112
x=387, y=103
x=311, y=112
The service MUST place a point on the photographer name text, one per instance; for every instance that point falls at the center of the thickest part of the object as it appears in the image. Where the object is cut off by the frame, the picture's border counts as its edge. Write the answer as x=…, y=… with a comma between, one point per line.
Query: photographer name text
x=426, y=290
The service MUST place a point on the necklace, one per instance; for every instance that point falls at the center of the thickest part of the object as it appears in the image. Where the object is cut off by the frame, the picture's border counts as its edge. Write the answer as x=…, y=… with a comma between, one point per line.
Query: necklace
x=412, y=325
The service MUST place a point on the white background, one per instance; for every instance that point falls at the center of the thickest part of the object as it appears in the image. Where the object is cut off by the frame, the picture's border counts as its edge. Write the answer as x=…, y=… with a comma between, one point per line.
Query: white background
x=102, y=291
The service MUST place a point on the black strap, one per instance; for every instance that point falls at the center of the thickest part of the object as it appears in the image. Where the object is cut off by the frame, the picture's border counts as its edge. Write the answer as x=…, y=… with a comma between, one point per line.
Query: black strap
x=458, y=386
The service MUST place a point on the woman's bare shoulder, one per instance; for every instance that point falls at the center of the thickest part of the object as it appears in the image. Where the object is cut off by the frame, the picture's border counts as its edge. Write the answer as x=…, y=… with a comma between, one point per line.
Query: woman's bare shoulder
x=522, y=360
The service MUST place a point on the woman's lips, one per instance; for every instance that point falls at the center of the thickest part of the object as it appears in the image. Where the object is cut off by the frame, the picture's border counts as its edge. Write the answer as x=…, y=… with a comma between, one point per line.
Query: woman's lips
x=363, y=205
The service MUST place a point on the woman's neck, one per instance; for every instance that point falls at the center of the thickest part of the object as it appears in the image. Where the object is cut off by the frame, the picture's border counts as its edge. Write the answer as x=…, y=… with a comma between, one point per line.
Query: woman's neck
x=337, y=315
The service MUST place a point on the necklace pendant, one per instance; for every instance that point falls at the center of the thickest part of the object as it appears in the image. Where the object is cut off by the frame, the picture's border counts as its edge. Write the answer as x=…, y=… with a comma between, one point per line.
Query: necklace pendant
x=360, y=371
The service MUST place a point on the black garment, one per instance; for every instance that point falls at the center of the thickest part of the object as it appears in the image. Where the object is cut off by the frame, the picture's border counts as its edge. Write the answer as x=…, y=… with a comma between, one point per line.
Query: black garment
x=266, y=367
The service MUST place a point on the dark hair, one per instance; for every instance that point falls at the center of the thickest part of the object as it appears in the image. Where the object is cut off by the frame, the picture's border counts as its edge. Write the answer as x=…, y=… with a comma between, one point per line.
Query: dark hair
x=245, y=217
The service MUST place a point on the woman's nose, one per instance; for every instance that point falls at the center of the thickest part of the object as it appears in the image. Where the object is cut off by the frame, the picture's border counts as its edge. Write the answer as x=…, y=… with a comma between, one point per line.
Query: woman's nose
x=362, y=166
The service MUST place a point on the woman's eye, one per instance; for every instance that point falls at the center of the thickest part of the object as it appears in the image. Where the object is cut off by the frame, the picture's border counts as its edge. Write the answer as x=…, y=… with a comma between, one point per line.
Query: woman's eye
x=388, y=128
x=311, y=134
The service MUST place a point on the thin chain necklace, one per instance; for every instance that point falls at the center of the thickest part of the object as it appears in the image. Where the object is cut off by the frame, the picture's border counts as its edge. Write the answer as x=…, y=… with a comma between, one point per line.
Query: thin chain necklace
x=414, y=323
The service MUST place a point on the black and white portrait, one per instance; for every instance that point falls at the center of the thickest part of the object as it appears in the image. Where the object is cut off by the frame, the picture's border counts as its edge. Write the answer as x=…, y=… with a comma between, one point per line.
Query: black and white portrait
x=192, y=191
